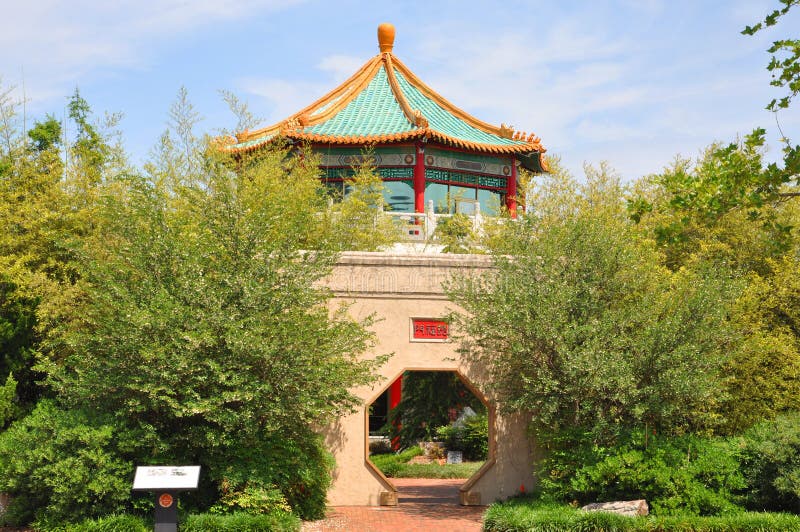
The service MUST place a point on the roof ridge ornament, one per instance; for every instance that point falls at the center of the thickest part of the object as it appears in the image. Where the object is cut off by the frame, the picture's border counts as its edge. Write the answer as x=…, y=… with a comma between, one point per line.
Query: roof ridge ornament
x=386, y=37
x=506, y=132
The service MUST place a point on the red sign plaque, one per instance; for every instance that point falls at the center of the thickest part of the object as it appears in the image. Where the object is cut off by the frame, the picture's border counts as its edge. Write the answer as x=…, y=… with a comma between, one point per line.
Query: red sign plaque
x=165, y=500
x=430, y=329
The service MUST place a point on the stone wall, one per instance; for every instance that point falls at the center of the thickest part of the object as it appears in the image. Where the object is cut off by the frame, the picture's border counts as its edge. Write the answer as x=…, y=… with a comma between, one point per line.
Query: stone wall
x=397, y=288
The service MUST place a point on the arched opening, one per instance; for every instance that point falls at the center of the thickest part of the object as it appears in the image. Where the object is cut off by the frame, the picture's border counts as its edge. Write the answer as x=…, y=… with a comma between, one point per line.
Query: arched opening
x=430, y=437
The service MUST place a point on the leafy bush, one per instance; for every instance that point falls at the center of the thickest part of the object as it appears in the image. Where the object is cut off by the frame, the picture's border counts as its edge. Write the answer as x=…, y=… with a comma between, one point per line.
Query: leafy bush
x=251, y=498
x=455, y=233
x=299, y=467
x=771, y=464
x=62, y=466
x=275, y=521
x=686, y=475
x=472, y=437
x=390, y=464
x=429, y=397
x=111, y=523
x=536, y=516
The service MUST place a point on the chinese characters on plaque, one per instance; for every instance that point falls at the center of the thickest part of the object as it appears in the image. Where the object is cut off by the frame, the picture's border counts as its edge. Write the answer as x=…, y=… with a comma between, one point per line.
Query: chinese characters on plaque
x=424, y=329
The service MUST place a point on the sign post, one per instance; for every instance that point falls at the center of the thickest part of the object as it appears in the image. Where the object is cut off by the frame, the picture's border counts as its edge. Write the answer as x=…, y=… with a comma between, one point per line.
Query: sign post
x=166, y=482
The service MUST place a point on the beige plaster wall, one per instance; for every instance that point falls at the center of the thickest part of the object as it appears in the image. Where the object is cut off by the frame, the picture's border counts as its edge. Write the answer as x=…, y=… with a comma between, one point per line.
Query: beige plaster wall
x=397, y=288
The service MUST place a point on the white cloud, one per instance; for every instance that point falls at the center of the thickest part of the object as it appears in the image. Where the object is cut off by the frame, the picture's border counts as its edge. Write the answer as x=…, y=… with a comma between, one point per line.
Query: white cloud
x=59, y=42
x=284, y=97
x=340, y=66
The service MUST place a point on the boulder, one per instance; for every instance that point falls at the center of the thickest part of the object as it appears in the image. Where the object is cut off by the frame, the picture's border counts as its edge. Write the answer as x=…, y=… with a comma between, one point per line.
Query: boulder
x=629, y=508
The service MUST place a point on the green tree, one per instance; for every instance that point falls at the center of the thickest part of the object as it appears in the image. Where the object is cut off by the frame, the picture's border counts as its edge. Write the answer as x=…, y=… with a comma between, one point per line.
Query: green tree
x=45, y=206
x=358, y=218
x=428, y=397
x=785, y=60
x=727, y=207
x=201, y=319
x=764, y=371
x=582, y=327
x=731, y=210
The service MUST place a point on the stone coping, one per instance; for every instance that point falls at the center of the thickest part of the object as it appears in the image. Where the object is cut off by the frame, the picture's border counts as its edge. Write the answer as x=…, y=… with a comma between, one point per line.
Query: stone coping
x=432, y=260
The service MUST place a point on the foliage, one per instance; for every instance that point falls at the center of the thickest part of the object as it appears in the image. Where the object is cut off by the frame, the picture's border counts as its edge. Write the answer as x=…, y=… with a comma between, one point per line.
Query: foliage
x=111, y=523
x=581, y=326
x=390, y=464
x=471, y=437
x=724, y=207
x=183, y=305
x=45, y=135
x=250, y=498
x=771, y=464
x=456, y=234
x=46, y=203
x=686, y=475
x=429, y=399
x=200, y=316
x=242, y=522
x=358, y=218
x=785, y=61
x=17, y=334
x=8, y=391
x=274, y=469
x=396, y=465
x=63, y=465
x=764, y=371
x=530, y=515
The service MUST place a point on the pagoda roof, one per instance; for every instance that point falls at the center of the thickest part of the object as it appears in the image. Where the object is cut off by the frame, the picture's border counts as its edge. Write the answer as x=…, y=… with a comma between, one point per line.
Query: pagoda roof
x=384, y=102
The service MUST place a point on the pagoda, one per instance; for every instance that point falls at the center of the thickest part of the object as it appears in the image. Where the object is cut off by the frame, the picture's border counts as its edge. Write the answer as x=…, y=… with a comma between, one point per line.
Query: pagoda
x=426, y=150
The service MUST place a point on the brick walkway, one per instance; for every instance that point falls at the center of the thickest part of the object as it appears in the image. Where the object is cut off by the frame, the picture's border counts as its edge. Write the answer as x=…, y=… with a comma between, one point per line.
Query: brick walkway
x=429, y=505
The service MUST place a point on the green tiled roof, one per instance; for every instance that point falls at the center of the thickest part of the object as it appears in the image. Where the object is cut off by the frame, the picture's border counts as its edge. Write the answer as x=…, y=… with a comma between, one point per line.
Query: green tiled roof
x=445, y=122
x=388, y=106
x=373, y=112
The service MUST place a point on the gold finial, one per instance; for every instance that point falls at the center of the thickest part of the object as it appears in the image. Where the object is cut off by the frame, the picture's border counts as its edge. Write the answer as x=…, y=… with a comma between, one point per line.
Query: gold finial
x=386, y=37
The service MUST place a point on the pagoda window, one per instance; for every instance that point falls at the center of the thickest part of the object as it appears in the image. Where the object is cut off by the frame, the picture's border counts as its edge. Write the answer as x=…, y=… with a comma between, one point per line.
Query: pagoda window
x=490, y=201
x=438, y=194
x=399, y=195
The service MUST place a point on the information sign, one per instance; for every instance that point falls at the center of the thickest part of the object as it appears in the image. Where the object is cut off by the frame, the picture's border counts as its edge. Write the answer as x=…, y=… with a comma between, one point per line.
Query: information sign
x=150, y=478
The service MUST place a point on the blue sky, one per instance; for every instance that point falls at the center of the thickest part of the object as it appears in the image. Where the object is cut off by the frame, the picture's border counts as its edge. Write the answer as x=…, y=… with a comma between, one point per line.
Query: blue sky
x=632, y=82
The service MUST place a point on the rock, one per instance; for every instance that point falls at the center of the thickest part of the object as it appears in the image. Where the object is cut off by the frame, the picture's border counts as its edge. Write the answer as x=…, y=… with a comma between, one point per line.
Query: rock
x=629, y=508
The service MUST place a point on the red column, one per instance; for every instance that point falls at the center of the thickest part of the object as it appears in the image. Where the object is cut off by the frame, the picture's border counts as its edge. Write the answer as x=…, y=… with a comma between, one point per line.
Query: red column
x=396, y=392
x=395, y=395
x=419, y=179
x=511, y=189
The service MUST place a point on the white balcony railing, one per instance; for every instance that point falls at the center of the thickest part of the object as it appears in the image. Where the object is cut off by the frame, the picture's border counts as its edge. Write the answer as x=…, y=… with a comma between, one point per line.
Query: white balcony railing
x=421, y=226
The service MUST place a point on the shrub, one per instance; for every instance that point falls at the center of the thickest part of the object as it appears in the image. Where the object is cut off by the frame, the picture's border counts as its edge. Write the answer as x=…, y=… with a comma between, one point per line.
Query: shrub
x=686, y=475
x=390, y=464
x=536, y=516
x=771, y=464
x=111, y=523
x=472, y=437
x=62, y=466
x=455, y=233
x=242, y=522
x=429, y=398
x=252, y=498
x=299, y=467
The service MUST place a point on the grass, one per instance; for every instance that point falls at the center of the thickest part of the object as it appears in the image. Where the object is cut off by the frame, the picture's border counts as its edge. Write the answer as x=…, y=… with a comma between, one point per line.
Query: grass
x=397, y=466
x=530, y=515
x=463, y=470
x=235, y=522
